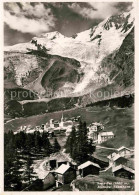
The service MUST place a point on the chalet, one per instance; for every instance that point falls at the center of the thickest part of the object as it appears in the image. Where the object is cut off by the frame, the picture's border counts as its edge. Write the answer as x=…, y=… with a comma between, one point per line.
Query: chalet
x=104, y=136
x=97, y=134
x=57, y=159
x=95, y=127
x=57, y=131
x=56, y=124
x=123, y=171
x=88, y=168
x=117, y=160
x=64, y=175
x=51, y=123
x=125, y=152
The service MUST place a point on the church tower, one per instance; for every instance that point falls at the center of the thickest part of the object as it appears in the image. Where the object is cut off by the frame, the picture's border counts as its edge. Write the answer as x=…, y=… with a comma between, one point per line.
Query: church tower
x=62, y=121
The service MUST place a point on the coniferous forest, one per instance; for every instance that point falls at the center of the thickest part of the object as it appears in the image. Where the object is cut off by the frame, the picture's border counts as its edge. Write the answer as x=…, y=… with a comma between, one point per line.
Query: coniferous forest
x=22, y=148
x=19, y=152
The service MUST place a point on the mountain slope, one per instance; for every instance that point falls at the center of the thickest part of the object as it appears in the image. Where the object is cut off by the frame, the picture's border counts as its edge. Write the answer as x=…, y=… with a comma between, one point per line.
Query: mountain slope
x=30, y=70
x=120, y=64
x=76, y=64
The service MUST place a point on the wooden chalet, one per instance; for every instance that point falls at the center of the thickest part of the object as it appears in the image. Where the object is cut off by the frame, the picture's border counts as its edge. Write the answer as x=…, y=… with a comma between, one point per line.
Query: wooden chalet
x=123, y=171
x=125, y=152
x=88, y=168
x=57, y=159
x=64, y=174
x=117, y=160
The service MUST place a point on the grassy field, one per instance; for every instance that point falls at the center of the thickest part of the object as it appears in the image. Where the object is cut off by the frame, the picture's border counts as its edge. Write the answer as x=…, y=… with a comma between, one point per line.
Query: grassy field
x=102, y=153
x=120, y=121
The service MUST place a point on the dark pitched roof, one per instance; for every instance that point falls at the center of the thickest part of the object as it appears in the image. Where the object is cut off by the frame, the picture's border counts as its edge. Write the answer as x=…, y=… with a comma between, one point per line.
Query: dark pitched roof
x=88, y=163
x=114, y=169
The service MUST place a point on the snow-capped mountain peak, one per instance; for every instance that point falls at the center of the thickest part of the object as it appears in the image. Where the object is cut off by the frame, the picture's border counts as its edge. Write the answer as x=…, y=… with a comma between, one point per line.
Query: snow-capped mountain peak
x=52, y=35
x=88, y=47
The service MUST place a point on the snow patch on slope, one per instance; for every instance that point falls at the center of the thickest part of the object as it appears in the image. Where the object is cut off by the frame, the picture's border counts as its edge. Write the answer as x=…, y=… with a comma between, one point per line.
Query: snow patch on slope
x=89, y=47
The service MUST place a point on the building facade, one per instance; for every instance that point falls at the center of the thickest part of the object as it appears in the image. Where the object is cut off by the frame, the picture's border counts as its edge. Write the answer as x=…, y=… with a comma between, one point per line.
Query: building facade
x=88, y=168
x=123, y=171
x=64, y=175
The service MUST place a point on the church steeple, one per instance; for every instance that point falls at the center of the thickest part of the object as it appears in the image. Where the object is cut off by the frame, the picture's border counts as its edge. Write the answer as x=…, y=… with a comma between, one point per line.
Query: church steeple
x=62, y=121
x=62, y=118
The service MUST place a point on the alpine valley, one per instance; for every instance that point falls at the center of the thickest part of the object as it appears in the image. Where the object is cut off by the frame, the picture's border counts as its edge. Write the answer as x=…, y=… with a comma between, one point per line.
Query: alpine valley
x=93, y=67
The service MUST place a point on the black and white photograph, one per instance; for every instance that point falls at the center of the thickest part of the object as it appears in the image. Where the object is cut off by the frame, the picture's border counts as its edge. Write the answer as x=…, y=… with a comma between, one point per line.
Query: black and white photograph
x=69, y=96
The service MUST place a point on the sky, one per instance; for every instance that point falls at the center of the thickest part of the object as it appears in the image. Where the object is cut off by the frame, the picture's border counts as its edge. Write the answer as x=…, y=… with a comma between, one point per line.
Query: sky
x=23, y=21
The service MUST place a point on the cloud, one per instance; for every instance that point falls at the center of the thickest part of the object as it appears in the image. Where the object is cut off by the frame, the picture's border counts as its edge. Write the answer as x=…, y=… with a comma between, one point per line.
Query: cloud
x=99, y=10
x=122, y=6
x=37, y=11
x=28, y=18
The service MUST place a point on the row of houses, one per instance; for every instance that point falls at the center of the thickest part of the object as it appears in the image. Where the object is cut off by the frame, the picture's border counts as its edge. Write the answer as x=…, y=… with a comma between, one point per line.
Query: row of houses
x=60, y=169
x=66, y=173
x=121, y=153
x=119, y=163
x=53, y=127
x=63, y=170
x=64, y=127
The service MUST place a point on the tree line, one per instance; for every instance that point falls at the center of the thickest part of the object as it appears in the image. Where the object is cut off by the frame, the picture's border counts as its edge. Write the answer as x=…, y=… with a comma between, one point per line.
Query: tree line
x=35, y=142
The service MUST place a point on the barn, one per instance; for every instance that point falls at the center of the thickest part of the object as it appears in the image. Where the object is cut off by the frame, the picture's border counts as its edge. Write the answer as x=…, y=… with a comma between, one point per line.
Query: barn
x=57, y=159
x=64, y=175
x=117, y=160
x=125, y=152
x=123, y=171
x=88, y=168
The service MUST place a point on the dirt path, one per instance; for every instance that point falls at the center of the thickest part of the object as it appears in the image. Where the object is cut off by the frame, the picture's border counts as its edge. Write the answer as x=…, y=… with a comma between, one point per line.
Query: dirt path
x=106, y=148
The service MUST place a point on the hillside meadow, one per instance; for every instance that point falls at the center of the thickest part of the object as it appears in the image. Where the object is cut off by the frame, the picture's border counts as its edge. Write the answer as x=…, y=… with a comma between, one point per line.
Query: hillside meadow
x=118, y=120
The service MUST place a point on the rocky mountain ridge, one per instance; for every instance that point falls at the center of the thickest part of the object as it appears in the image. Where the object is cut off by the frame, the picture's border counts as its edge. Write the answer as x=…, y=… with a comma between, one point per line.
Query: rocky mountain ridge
x=77, y=64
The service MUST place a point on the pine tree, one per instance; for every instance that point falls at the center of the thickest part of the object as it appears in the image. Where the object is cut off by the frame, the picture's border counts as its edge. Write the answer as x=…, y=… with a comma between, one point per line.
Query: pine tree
x=29, y=143
x=28, y=173
x=37, y=141
x=78, y=144
x=56, y=147
x=48, y=147
x=44, y=139
x=71, y=143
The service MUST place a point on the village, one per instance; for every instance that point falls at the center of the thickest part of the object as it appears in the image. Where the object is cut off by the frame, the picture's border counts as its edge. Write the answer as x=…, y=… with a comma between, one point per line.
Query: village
x=64, y=127
x=60, y=169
